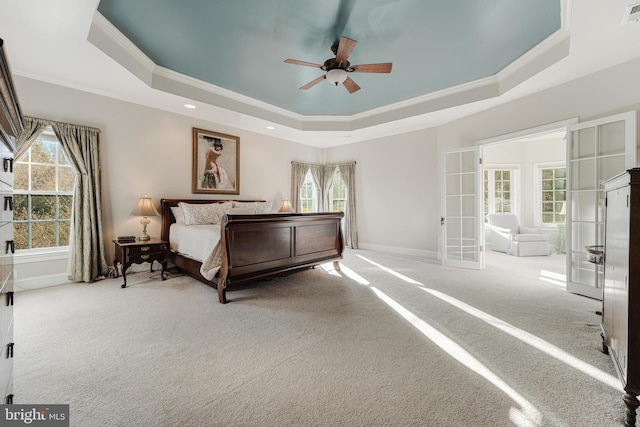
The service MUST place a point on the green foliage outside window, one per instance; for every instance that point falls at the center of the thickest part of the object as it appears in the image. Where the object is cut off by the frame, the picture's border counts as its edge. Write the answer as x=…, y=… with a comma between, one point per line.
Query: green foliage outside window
x=554, y=195
x=43, y=196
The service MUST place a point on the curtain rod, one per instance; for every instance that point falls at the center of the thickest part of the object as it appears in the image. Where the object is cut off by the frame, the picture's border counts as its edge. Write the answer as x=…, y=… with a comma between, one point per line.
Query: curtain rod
x=324, y=164
x=63, y=123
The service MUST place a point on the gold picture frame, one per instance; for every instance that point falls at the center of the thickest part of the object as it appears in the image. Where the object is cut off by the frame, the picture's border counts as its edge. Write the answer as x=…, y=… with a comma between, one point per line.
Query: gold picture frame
x=216, y=163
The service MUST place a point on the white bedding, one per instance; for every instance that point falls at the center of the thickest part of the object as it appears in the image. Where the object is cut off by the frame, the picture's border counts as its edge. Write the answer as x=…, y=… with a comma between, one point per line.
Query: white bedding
x=199, y=242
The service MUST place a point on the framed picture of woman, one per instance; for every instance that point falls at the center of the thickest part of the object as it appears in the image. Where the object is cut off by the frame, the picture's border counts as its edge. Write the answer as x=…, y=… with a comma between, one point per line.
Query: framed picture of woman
x=216, y=163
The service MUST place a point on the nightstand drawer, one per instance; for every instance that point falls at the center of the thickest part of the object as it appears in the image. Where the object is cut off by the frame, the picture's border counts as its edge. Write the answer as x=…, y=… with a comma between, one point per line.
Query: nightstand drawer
x=152, y=249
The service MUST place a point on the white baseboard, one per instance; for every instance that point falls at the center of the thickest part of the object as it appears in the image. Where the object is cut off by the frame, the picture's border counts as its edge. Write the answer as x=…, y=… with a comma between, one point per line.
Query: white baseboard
x=40, y=282
x=399, y=251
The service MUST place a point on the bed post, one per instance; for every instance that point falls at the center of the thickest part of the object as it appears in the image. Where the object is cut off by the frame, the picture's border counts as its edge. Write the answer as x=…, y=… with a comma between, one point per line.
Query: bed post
x=221, y=282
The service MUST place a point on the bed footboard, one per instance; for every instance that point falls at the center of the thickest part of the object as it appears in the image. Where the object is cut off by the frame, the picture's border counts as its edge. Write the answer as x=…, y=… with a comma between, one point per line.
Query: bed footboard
x=259, y=246
x=264, y=245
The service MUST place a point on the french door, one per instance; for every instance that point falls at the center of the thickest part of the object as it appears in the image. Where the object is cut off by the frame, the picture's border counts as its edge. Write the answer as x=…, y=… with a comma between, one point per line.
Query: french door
x=596, y=151
x=461, y=221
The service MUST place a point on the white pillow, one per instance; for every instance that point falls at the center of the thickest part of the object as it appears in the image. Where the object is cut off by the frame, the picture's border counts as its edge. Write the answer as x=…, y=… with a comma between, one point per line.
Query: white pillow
x=259, y=207
x=177, y=214
x=242, y=211
x=205, y=213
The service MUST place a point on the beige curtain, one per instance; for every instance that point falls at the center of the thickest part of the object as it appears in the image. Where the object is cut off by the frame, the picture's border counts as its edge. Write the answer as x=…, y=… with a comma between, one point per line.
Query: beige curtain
x=317, y=173
x=325, y=188
x=323, y=175
x=348, y=172
x=81, y=144
x=298, y=173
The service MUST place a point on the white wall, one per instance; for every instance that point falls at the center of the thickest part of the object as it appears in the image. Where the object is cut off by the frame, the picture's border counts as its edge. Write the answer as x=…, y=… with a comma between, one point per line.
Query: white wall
x=145, y=150
x=397, y=191
x=149, y=151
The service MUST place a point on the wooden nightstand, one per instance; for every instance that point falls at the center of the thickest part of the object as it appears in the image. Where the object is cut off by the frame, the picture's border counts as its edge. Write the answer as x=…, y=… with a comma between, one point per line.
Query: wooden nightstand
x=138, y=252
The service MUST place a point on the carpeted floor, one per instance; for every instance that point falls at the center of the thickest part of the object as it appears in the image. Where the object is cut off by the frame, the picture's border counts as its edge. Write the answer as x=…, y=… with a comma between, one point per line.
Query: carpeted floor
x=387, y=341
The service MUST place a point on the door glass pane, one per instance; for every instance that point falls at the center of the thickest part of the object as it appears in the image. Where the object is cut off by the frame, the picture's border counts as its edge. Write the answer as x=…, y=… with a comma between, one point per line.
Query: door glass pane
x=453, y=206
x=610, y=167
x=453, y=184
x=452, y=162
x=583, y=175
x=583, y=143
x=613, y=134
x=469, y=205
x=468, y=161
x=586, y=201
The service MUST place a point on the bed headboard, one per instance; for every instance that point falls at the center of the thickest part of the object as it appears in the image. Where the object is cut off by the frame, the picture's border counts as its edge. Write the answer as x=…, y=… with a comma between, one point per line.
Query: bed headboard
x=167, y=215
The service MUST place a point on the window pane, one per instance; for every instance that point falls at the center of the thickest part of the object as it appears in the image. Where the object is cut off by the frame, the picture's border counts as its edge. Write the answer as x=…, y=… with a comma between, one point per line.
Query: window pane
x=43, y=234
x=43, y=207
x=553, y=194
x=41, y=174
x=20, y=207
x=43, y=152
x=21, y=235
x=21, y=176
x=64, y=228
x=66, y=178
x=65, y=207
x=43, y=178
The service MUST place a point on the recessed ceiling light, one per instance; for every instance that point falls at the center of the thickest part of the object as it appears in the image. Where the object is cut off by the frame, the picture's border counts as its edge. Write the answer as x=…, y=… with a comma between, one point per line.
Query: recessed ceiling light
x=271, y=127
x=190, y=106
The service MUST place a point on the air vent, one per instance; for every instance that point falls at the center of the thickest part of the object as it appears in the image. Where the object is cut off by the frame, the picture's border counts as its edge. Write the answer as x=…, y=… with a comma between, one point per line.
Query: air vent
x=632, y=14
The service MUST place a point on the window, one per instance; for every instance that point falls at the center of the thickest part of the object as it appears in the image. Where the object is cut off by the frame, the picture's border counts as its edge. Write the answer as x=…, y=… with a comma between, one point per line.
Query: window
x=308, y=195
x=500, y=190
x=553, y=194
x=338, y=193
x=43, y=195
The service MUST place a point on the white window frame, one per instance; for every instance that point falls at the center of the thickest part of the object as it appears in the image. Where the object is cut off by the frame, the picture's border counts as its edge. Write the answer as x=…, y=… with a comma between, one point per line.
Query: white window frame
x=515, y=186
x=53, y=252
x=537, y=190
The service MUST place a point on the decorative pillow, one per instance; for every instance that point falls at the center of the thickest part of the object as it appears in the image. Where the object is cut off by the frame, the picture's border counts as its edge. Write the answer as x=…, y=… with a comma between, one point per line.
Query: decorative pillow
x=259, y=207
x=242, y=211
x=177, y=214
x=206, y=213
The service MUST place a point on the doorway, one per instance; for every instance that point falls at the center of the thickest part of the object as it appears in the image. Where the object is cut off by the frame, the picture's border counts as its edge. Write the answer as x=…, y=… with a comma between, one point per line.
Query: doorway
x=526, y=175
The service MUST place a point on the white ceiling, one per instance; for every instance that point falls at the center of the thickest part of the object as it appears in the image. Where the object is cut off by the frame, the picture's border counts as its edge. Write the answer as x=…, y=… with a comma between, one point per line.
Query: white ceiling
x=49, y=41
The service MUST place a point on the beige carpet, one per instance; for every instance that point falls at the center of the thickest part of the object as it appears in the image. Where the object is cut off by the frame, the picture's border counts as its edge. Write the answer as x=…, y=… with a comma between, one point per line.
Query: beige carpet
x=388, y=341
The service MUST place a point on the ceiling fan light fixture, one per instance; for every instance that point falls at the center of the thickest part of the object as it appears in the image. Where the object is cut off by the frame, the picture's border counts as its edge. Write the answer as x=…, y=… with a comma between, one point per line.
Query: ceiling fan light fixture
x=337, y=76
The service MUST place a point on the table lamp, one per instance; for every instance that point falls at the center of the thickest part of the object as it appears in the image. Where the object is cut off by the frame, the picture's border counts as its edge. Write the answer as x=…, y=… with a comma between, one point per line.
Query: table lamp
x=145, y=208
x=286, y=206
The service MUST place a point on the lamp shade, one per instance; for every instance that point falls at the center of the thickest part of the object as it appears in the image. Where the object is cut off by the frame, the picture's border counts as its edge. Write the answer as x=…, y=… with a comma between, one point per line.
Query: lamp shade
x=336, y=76
x=286, y=206
x=145, y=207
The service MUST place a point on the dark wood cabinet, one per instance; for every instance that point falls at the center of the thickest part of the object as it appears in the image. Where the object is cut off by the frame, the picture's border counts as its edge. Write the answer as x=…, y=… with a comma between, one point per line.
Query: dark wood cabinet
x=138, y=252
x=621, y=291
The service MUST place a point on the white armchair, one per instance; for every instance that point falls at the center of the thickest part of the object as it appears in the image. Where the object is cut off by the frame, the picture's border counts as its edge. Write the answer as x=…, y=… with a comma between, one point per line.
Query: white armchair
x=510, y=237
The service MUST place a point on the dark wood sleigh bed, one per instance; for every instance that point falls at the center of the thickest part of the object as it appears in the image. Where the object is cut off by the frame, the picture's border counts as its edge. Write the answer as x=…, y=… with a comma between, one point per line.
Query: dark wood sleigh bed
x=259, y=246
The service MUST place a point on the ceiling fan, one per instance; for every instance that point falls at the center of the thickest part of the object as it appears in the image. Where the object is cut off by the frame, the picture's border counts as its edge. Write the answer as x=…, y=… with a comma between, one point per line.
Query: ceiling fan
x=338, y=67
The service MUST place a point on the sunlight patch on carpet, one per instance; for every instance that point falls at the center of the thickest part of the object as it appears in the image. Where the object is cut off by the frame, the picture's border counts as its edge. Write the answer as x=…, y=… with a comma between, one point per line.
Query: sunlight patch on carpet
x=525, y=337
x=552, y=278
x=528, y=415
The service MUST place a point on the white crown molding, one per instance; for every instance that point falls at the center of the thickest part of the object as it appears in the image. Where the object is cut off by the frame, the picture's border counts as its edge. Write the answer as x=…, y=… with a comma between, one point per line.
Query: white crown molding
x=112, y=42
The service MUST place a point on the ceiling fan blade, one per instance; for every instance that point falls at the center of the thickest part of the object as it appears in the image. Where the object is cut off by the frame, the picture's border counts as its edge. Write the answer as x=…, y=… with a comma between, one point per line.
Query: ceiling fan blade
x=312, y=83
x=306, y=64
x=345, y=47
x=351, y=85
x=371, y=68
